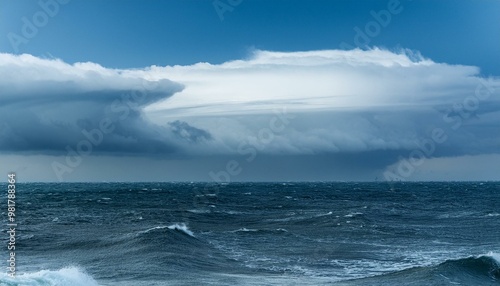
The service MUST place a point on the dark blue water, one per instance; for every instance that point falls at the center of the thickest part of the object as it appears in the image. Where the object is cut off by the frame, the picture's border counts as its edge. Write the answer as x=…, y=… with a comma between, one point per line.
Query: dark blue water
x=256, y=234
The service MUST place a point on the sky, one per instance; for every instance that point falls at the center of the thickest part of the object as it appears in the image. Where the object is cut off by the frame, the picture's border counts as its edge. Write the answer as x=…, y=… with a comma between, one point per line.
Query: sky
x=242, y=90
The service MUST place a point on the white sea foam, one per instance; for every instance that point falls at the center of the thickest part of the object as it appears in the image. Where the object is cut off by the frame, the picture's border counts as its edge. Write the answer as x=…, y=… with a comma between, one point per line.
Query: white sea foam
x=181, y=227
x=199, y=211
x=328, y=213
x=69, y=276
x=207, y=195
x=244, y=229
x=493, y=215
x=233, y=212
x=456, y=215
x=353, y=214
x=495, y=256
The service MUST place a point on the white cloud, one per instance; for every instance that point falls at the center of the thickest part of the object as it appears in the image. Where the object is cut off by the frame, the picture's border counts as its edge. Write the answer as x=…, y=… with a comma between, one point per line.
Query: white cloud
x=342, y=102
x=312, y=80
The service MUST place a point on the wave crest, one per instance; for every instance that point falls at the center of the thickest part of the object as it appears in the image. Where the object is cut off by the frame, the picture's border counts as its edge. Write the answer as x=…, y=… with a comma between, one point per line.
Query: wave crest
x=66, y=276
x=181, y=227
x=472, y=270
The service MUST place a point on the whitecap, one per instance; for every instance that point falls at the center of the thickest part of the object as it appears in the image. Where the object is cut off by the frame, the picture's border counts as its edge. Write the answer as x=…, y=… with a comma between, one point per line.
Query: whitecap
x=198, y=211
x=66, y=276
x=353, y=214
x=181, y=227
x=176, y=226
x=328, y=213
x=493, y=214
x=244, y=229
x=495, y=256
x=233, y=212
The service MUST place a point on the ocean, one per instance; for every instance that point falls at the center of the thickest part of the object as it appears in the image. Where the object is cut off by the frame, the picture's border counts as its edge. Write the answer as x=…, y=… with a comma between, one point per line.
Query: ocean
x=87, y=234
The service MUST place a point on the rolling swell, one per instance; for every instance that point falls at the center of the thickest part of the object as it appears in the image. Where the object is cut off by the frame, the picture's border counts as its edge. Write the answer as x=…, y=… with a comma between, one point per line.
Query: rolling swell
x=164, y=250
x=482, y=266
x=175, y=246
x=479, y=270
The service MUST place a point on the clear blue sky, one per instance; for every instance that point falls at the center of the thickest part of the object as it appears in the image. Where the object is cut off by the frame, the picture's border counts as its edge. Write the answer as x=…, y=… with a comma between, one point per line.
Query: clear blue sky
x=132, y=33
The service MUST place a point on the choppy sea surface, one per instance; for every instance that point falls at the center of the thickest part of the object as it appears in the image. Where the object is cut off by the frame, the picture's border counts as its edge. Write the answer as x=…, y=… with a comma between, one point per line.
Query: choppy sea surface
x=255, y=234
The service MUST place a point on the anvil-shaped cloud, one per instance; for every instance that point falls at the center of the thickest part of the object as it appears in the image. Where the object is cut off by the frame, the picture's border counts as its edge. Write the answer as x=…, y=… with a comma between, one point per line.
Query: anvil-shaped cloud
x=339, y=103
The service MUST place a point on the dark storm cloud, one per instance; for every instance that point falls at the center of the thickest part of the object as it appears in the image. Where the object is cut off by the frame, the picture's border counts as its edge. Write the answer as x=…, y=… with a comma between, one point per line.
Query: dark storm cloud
x=47, y=106
x=188, y=132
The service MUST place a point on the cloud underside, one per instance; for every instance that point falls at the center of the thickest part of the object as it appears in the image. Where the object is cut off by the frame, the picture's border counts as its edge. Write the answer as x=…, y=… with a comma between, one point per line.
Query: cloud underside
x=339, y=103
